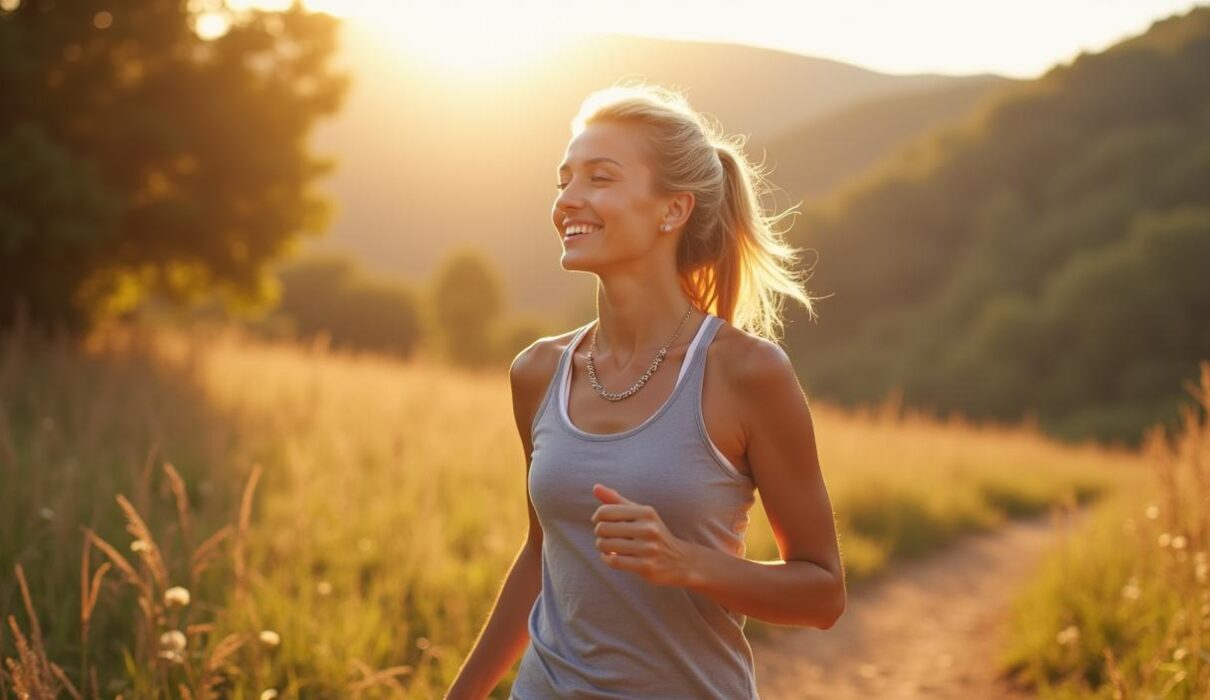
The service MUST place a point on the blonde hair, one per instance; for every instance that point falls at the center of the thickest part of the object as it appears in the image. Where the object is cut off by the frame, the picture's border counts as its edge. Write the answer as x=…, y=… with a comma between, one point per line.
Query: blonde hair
x=731, y=260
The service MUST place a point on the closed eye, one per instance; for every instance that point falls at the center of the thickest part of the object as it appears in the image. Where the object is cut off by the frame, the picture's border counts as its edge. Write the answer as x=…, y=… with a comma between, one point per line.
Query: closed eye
x=563, y=185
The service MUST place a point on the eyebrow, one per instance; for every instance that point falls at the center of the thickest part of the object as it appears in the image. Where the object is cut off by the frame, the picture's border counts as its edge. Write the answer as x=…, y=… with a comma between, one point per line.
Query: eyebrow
x=590, y=161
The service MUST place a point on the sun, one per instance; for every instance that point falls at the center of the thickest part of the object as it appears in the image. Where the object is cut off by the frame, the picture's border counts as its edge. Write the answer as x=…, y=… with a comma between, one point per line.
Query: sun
x=455, y=36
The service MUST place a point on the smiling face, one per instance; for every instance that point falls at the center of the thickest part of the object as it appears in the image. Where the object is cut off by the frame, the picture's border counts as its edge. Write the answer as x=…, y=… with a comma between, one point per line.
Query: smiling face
x=605, y=182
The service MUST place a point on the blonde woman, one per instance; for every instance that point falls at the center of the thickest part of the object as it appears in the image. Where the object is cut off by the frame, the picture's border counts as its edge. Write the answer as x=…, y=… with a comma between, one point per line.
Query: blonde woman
x=632, y=582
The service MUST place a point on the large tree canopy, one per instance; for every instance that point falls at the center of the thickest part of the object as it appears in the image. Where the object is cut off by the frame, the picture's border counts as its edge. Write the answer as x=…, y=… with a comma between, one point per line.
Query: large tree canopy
x=139, y=157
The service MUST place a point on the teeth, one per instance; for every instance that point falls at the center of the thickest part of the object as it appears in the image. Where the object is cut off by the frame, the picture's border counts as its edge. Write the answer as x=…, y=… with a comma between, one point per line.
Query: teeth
x=578, y=230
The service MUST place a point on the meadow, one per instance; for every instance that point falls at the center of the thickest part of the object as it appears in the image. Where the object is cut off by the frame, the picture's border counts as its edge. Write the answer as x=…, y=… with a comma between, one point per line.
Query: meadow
x=191, y=514
x=1122, y=608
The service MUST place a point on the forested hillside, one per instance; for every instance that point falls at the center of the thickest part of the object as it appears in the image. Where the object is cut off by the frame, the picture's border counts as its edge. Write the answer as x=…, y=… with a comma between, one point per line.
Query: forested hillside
x=1053, y=253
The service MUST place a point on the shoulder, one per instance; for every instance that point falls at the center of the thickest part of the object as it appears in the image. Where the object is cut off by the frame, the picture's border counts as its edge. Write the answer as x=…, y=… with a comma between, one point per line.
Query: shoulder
x=770, y=406
x=752, y=365
x=533, y=367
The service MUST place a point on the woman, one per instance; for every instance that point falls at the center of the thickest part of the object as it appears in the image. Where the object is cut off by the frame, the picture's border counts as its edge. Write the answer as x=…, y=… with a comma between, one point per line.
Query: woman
x=633, y=582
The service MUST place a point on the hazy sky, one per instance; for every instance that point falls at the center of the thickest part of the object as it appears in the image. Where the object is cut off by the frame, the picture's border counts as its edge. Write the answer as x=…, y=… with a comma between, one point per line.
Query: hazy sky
x=1020, y=39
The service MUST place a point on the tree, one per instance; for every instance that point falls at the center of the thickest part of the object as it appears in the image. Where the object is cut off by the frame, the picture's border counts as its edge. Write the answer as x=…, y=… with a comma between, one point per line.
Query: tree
x=465, y=304
x=332, y=294
x=141, y=158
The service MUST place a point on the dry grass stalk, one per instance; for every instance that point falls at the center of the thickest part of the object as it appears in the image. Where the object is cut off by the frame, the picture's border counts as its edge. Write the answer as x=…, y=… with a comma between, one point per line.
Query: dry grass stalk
x=1115, y=676
x=206, y=551
x=241, y=535
x=29, y=607
x=212, y=670
x=120, y=562
x=199, y=628
x=67, y=684
x=386, y=676
x=32, y=674
x=181, y=497
x=89, y=590
x=151, y=555
x=26, y=671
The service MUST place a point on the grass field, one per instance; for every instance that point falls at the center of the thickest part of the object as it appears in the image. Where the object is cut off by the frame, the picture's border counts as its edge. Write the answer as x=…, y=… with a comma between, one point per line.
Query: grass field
x=343, y=523
x=1122, y=609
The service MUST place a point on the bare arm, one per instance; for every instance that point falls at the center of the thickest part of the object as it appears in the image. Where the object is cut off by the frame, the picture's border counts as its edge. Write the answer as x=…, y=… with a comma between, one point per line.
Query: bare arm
x=807, y=587
x=505, y=635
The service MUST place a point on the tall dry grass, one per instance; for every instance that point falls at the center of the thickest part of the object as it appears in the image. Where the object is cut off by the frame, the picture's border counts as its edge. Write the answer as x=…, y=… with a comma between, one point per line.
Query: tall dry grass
x=390, y=505
x=1122, y=609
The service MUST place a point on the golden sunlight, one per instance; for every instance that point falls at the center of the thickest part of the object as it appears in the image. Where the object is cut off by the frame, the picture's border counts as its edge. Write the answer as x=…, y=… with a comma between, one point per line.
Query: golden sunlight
x=469, y=37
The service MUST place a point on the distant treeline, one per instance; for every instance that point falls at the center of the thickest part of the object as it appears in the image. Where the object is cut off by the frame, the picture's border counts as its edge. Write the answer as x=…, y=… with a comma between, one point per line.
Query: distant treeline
x=460, y=317
x=1050, y=257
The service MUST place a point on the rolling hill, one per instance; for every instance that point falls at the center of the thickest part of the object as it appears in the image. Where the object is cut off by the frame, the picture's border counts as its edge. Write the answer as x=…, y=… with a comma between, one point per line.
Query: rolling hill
x=427, y=163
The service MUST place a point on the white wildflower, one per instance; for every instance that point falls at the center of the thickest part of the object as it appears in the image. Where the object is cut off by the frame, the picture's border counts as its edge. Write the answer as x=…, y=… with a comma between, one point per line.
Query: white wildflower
x=176, y=597
x=1069, y=635
x=172, y=656
x=173, y=640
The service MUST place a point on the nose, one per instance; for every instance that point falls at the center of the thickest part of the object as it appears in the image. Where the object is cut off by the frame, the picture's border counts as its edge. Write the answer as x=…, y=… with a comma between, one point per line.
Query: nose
x=565, y=203
x=569, y=197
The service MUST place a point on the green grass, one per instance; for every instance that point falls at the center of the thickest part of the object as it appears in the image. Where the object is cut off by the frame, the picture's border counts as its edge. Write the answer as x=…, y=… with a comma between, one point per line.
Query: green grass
x=390, y=504
x=1122, y=608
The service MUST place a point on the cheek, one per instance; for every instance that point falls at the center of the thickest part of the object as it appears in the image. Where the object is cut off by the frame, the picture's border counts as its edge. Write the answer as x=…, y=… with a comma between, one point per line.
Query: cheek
x=620, y=207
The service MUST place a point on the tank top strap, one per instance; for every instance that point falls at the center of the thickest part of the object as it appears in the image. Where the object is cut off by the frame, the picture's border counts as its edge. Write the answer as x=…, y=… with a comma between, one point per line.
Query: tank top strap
x=556, y=381
x=697, y=359
x=690, y=398
x=565, y=359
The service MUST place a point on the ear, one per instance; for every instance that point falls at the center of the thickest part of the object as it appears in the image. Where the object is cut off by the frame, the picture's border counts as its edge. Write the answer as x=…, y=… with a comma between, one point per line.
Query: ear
x=679, y=207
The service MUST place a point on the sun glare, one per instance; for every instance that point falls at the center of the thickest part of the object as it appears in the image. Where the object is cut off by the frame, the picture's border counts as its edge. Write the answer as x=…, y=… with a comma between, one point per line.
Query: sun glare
x=459, y=36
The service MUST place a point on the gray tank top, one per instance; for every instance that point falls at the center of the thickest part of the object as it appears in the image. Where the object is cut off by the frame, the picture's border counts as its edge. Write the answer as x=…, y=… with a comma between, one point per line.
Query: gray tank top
x=598, y=632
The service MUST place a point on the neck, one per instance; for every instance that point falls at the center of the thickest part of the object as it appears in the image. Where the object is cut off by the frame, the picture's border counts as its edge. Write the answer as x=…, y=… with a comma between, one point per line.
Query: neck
x=636, y=319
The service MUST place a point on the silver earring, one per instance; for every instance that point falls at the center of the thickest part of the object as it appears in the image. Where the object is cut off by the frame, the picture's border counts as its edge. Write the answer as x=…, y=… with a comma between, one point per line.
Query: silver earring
x=665, y=228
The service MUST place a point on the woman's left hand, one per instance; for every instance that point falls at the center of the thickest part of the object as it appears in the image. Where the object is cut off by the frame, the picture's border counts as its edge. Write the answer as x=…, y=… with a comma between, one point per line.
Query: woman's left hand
x=632, y=537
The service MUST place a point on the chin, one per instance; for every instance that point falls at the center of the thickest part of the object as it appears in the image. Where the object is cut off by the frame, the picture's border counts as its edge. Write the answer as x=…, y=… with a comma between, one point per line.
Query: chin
x=576, y=262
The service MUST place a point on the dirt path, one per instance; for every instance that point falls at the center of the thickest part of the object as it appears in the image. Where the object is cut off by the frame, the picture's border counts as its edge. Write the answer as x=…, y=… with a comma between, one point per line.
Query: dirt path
x=930, y=630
